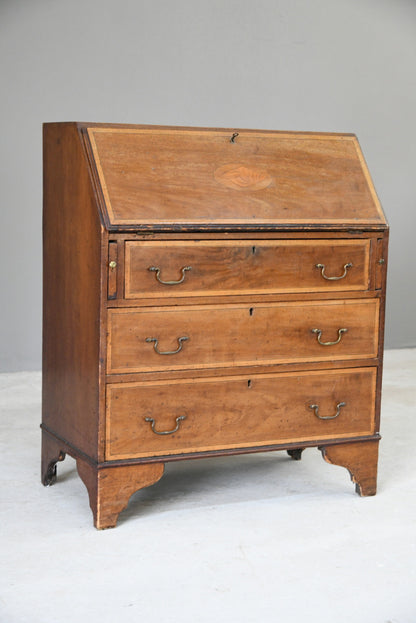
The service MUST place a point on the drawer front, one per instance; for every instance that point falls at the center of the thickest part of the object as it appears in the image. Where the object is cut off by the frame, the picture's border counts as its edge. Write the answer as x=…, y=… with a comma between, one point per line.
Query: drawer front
x=211, y=268
x=232, y=412
x=183, y=338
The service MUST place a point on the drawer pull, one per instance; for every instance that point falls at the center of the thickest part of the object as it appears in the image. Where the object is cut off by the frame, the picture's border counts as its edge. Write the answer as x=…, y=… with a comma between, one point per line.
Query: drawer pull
x=165, y=432
x=319, y=333
x=322, y=267
x=327, y=417
x=167, y=352
x=157, y=270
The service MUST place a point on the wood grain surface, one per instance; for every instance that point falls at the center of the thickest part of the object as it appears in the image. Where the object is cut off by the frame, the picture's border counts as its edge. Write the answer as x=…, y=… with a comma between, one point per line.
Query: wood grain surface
x=245, y=267
x=229, y=412
x=162, y=175
x=239, y=335
x=72, y=294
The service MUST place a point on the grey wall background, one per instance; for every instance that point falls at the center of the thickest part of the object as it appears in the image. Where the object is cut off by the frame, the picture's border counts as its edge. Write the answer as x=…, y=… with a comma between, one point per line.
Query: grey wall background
x=323, y=65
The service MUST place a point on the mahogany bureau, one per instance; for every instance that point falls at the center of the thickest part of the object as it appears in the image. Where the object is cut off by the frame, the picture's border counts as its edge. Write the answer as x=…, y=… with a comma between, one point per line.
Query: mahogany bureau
x=207, y=292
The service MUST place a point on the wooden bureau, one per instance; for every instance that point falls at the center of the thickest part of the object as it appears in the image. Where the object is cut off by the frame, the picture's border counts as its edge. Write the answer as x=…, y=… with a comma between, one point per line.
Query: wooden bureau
x=207, y=292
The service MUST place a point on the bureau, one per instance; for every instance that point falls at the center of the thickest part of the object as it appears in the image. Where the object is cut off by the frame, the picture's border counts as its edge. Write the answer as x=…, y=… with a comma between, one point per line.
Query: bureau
x=207, y=292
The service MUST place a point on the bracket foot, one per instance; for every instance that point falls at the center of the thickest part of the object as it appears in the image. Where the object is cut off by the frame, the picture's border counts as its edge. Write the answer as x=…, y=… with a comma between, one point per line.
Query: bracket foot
x=110, y=488
x=51, y=453
x=296, y=453
x=360, y=458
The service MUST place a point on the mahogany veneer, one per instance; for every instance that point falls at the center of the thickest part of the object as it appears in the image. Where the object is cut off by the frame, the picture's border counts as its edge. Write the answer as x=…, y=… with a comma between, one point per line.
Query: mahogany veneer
x=207, y=292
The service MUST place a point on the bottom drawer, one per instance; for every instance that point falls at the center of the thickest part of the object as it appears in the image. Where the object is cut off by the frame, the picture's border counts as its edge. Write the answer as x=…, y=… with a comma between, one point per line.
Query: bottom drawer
x=155, y=418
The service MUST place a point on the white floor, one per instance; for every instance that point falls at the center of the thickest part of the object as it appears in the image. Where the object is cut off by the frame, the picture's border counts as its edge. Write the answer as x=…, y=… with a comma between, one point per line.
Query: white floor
x=240, y=539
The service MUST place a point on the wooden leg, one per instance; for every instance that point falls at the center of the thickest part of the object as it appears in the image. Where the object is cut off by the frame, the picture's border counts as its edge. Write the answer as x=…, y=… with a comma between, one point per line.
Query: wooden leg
x=295, y=453
x=360, y=458
x=110, y=488
x=52, y=452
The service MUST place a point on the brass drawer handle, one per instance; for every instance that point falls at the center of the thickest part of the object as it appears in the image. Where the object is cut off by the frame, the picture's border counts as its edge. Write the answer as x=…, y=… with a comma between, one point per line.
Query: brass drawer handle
x=319, y=333
x=322, y=267
x=169, y=283
x=327, y=417
x=165, y=432
x=167, y=352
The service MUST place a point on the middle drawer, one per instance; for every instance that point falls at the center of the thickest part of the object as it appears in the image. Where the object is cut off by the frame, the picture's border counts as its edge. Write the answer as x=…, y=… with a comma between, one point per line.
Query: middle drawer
x=208, y=336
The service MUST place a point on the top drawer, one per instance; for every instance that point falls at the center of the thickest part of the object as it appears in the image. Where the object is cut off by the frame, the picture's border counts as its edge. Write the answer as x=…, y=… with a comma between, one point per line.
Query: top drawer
x=210, y=268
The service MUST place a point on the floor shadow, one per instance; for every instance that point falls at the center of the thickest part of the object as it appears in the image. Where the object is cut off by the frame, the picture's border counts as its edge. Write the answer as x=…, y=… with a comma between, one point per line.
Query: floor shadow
x=224, y=480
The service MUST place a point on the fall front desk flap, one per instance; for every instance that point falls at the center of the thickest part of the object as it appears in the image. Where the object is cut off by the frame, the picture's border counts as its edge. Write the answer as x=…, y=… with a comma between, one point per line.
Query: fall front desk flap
x=164, y=178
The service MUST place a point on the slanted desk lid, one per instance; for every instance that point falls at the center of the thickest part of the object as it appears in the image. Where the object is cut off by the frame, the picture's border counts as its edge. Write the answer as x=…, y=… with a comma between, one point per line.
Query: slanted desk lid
x=161, y=178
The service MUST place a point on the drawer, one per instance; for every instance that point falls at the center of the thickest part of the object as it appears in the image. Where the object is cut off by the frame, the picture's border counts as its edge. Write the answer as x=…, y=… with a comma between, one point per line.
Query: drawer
x=232, y=412
x=181, y=338
x=211, y=268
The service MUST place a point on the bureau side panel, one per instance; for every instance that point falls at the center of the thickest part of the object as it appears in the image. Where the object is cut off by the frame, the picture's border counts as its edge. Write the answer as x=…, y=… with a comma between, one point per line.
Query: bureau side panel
x=381, y=284
x=71, y=292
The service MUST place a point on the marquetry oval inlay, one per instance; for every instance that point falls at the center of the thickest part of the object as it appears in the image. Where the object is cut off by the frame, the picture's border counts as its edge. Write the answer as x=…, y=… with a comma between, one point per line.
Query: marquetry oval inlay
x=240, y=177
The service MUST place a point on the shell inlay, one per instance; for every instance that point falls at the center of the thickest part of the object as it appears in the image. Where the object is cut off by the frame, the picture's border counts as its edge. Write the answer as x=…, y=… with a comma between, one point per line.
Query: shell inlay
x=240, y=177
